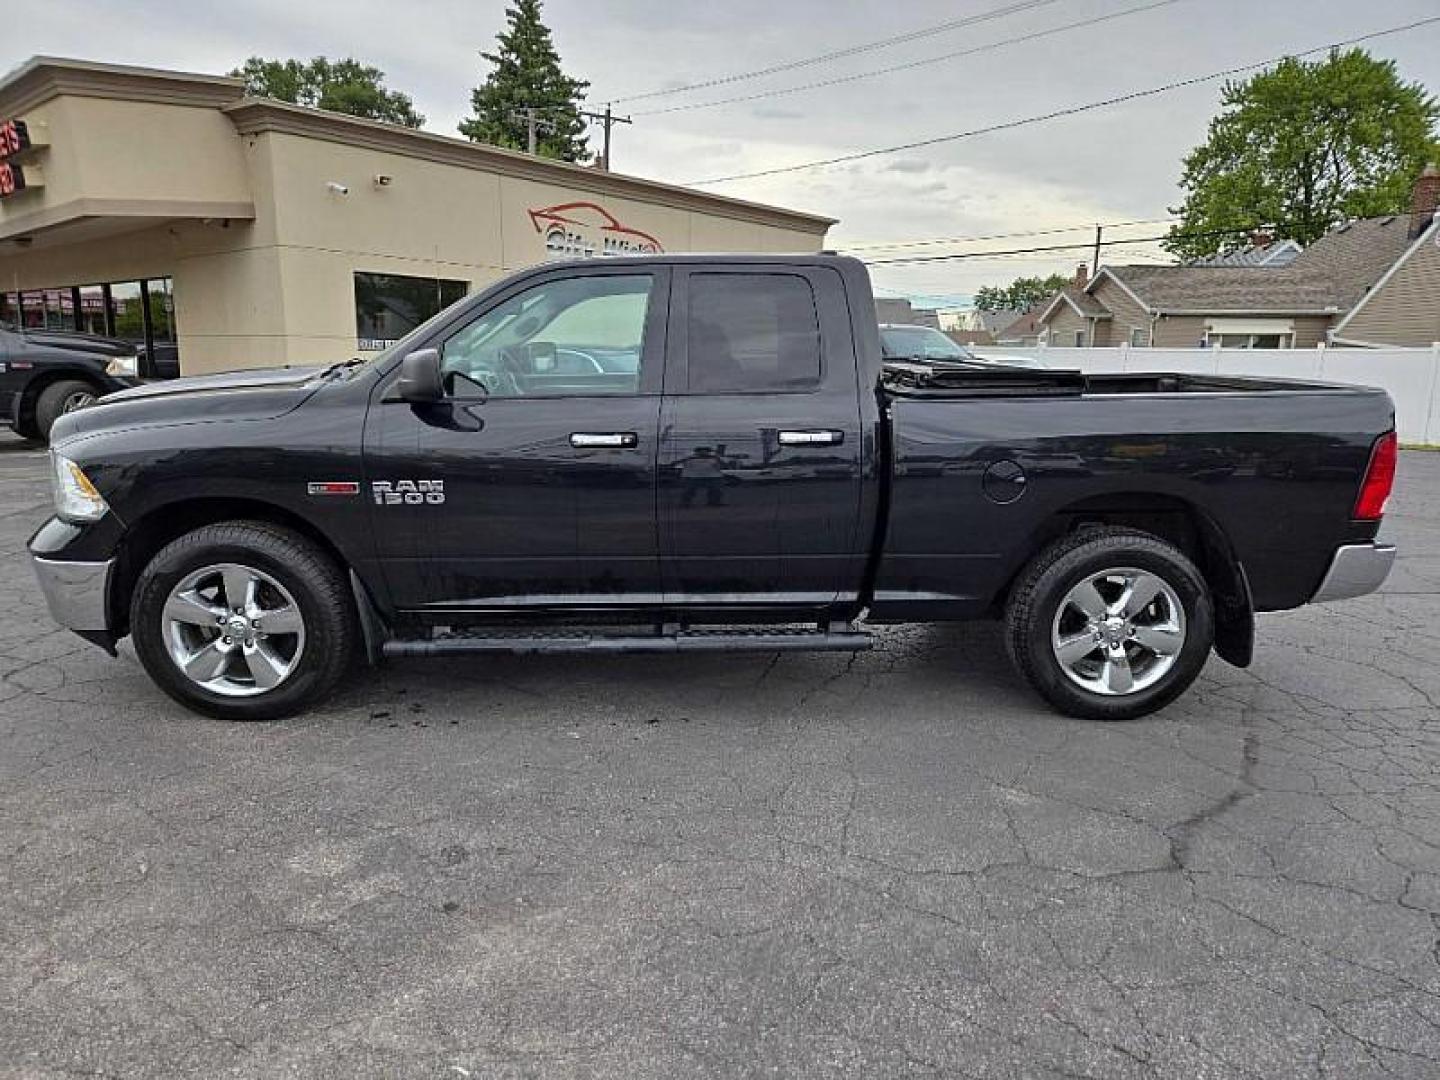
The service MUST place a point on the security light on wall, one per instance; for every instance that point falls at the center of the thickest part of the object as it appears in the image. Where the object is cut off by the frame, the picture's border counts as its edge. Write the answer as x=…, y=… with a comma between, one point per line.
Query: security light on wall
x=337, y=188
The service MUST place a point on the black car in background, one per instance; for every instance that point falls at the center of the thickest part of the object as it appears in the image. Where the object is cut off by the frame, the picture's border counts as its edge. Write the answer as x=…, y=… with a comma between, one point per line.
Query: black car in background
x=45, y=374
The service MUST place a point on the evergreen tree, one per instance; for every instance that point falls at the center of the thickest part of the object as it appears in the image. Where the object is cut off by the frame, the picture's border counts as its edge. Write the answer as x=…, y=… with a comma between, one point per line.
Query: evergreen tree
x=526, y=75
x=344, y=86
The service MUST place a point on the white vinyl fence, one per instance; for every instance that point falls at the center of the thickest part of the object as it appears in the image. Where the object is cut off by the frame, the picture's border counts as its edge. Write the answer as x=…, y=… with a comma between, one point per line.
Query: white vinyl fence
x=1411, y=376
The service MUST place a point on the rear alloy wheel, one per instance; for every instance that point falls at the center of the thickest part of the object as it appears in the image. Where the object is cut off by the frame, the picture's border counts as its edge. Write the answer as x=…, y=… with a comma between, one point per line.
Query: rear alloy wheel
x=1118, y=631
x=1110, y=624
x=244, y=621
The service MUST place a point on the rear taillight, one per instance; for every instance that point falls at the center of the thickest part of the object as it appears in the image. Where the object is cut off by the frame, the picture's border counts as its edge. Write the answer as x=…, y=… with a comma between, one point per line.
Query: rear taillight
x=1379, y=479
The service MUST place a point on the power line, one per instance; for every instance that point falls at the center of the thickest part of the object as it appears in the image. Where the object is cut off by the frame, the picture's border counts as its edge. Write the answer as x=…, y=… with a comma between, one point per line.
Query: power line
x=853, y=50
x=875, y=246
x=1074, y=110
x=1089, y=245
x=841, y=80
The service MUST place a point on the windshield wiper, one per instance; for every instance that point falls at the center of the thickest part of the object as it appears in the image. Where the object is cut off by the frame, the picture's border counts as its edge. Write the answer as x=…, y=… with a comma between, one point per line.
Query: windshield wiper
x=343, y=365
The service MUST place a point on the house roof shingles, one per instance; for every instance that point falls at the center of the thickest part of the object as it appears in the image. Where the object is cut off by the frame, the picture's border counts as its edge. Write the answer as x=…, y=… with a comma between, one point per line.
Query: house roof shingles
x=1332, y=274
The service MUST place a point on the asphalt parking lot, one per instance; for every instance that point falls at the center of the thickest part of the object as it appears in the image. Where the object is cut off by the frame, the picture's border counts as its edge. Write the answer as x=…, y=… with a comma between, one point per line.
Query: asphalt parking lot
x=803, y=866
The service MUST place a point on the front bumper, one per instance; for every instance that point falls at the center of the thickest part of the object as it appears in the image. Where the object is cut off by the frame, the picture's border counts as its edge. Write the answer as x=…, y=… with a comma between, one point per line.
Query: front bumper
x=1355, y=570
x=76, y=592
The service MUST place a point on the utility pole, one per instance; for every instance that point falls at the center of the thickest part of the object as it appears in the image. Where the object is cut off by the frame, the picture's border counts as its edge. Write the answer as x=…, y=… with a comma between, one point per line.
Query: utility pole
x=607, y=121
x=1095, y=265
x=533, y=125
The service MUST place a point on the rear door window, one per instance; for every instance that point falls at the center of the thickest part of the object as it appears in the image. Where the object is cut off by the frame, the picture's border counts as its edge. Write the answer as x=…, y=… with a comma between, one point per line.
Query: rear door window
x=752, y=333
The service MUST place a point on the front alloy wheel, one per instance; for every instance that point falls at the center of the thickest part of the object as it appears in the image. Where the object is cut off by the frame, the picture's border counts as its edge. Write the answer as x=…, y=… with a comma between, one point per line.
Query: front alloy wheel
x=244, y=620
x=233, y=630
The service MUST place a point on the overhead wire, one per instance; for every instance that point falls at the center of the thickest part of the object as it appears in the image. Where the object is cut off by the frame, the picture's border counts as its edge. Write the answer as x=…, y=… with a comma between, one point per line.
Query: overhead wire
x=1056, y=114
x=838, y=54
x=910, y=66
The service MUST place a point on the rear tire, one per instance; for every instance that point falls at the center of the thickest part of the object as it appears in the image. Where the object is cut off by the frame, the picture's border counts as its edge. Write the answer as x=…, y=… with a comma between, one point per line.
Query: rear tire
x=59, y=398
x=1096, y=651
x=244, y=620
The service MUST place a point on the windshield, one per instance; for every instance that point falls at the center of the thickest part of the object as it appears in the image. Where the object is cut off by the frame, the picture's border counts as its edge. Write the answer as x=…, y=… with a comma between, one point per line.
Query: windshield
x=920, y=343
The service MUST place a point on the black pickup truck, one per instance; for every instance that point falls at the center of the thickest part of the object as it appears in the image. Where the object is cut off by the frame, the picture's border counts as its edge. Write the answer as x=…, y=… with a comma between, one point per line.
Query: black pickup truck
x=700, y=453
x=47, y=373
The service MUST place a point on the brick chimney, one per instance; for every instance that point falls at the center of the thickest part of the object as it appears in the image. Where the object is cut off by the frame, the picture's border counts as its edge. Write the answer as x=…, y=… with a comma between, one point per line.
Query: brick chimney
x=1260, y=238
x=1425, y=200
x=1082, y=275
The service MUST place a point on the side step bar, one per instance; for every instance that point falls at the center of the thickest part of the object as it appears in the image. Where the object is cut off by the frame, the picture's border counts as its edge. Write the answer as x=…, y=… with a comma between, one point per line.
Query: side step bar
x=843, y=638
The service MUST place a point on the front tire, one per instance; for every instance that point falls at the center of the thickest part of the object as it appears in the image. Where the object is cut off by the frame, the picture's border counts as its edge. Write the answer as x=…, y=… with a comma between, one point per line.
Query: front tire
x=59, y=398
x=243, y=620
x=1110, y=624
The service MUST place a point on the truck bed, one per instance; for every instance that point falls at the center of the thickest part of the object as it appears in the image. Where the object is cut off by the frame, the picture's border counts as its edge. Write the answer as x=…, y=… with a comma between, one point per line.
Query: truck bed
x=1272, y=466
x=941, y=380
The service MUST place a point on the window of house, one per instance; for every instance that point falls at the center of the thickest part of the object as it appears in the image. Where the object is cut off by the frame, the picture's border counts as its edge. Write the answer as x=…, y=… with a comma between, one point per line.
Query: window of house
x=752, y=333
x=1250, y=341
x=1079, y=339
x=567, y=336
x=1139, y=339
x=389, y=306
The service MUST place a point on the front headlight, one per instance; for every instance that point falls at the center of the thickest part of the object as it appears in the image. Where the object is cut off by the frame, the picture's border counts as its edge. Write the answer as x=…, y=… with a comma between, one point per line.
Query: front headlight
x=123, y=365
x=76, y=499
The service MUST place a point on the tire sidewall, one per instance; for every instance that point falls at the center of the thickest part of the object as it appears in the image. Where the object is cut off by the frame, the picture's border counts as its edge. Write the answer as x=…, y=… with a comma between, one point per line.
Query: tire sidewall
x=191, y=553
x=1075, y=566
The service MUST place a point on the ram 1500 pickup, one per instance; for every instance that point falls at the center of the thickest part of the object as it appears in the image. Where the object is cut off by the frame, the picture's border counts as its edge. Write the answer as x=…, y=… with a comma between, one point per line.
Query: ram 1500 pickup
x=700, y=453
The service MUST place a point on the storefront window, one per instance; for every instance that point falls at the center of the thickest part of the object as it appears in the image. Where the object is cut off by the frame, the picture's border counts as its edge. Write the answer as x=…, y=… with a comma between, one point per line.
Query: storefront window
x=127, y=318
x=160, y=295
x=91, y=319
x=140, y=312
x=389, y=306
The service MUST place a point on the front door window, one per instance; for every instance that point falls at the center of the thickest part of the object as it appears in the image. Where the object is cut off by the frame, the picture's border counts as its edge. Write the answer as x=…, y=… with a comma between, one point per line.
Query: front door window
x=568, y=337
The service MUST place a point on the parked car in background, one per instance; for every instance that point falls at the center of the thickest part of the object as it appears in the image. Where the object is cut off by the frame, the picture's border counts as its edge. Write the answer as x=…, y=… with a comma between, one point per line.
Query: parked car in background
x=45, y=374
x=900, y=341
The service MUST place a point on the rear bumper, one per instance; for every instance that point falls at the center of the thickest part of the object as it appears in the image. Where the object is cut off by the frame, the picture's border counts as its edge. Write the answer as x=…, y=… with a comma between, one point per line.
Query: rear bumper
x=1355, y=570
x=76, y=592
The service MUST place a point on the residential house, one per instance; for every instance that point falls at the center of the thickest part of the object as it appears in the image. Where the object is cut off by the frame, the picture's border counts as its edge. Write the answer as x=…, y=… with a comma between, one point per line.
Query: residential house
x=987, y=322
x=899, y=311
x=1262, y=250
x=1371, y=282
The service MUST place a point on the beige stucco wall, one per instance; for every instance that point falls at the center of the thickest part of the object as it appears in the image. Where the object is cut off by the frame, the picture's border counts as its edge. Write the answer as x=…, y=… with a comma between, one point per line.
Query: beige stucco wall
x=431, y=220
x=278, y=287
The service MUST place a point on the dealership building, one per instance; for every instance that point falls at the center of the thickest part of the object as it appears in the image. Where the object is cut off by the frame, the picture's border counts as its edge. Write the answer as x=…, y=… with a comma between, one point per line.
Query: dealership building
x=170, y=209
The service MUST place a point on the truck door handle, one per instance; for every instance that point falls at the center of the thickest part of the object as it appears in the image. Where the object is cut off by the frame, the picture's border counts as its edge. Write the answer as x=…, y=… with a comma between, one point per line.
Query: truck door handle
x=604, y=440
x=811, y=438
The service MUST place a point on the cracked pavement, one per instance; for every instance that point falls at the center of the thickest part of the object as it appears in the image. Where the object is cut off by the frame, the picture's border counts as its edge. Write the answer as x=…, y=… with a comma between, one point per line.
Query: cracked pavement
x=898, y=863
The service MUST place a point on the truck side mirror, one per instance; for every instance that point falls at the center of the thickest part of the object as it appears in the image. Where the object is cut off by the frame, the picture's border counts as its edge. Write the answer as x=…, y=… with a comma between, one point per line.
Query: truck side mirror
x=420, y=377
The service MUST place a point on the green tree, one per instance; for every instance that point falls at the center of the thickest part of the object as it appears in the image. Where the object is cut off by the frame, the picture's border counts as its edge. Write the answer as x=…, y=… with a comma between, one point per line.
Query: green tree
x=1300, y=148
x=526, y=74
x=1021, y=294
x=344, y=86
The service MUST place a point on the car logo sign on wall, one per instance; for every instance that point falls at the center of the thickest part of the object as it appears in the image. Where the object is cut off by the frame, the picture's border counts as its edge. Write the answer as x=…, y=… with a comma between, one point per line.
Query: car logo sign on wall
x=586, y=230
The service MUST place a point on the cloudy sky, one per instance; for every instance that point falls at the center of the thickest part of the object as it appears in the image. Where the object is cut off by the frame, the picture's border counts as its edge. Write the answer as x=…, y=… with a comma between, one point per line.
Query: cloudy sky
x=1114, y=164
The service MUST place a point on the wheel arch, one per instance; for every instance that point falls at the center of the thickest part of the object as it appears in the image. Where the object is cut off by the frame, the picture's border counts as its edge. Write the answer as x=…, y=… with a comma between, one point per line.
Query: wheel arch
x=169, y=521
x=1183, y=524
